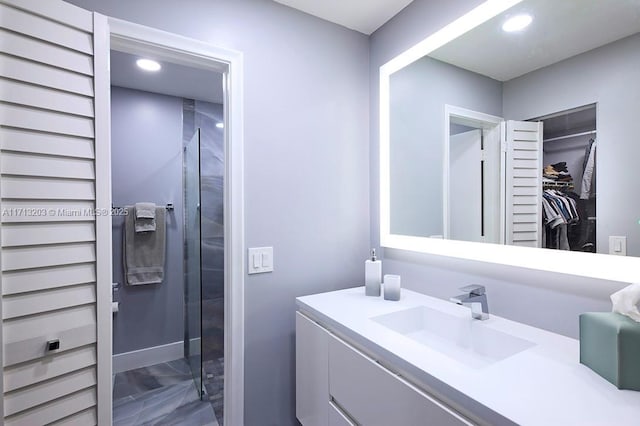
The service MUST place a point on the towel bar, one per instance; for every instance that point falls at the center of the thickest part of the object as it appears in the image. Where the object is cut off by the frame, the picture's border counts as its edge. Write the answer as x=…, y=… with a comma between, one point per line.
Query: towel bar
x=168, y=206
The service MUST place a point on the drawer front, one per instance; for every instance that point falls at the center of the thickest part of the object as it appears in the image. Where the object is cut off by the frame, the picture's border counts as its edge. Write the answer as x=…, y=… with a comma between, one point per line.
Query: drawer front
x=372, y=395
x=337, y=417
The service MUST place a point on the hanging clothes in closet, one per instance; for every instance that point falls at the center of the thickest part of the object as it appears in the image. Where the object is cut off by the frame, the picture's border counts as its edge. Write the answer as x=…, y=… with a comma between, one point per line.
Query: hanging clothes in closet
x=560, y=219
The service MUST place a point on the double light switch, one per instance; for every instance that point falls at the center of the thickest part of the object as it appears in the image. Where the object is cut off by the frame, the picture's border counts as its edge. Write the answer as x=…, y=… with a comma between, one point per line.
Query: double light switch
x=260, y=260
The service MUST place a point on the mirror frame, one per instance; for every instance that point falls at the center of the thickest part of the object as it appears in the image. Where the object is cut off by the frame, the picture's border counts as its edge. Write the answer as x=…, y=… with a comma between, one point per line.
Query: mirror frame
x=592, y=265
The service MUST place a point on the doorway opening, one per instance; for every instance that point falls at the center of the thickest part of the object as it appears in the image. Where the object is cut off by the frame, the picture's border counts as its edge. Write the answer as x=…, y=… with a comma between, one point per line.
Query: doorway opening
x=472, y=176
x=569, y=177
x=189, y=200
x=167, y=155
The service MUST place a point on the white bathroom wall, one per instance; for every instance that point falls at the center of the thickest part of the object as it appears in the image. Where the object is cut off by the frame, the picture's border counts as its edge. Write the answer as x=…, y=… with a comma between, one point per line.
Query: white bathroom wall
x=550, y=301
x=306, y=165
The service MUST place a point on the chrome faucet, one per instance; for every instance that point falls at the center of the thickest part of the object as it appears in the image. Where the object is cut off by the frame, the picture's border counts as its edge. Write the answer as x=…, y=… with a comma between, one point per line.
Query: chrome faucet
x=475, y=297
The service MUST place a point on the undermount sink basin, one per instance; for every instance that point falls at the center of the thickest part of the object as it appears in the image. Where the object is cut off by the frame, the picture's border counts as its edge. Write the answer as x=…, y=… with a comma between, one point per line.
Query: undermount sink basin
x=464, y=339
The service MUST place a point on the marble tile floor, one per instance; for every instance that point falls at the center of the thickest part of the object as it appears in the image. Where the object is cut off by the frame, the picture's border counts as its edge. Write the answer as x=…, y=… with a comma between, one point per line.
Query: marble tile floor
x=162, y=394
x=212, y=328
x=213, y=381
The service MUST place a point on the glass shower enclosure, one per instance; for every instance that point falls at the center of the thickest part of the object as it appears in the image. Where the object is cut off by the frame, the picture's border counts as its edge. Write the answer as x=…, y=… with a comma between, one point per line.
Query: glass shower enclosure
x=193, y=259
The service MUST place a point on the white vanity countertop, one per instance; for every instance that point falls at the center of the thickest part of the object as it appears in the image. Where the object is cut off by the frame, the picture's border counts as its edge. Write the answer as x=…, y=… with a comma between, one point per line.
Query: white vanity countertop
x=543, y=385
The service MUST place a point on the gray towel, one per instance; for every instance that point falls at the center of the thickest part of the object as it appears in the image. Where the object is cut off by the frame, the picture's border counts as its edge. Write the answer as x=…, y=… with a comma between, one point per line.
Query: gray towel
x=145, y=217
x=144, y=252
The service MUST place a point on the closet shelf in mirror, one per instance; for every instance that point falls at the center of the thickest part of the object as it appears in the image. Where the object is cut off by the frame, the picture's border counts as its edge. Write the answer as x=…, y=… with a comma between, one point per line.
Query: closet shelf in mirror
x=555, y=185
x=168, y=207
x=573, y=135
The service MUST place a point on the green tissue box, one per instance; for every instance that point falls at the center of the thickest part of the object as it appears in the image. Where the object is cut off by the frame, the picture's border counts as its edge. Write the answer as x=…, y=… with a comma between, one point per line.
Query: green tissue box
x=610, y=346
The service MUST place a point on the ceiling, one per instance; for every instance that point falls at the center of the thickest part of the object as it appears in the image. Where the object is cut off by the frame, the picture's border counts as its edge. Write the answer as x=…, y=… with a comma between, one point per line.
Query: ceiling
x=192, y=83
x=560, y=30
x=172, y=79
x=364, y=16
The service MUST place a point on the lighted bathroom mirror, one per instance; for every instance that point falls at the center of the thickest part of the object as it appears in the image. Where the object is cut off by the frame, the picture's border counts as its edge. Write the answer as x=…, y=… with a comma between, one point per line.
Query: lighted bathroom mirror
x=490, y=136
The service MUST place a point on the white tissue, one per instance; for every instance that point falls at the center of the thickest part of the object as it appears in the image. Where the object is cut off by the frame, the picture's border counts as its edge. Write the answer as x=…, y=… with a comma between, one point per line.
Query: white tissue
x=625, y=301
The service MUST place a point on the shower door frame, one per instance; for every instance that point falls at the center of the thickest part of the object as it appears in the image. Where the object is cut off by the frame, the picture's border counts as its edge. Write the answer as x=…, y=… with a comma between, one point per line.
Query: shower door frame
x=138, y=39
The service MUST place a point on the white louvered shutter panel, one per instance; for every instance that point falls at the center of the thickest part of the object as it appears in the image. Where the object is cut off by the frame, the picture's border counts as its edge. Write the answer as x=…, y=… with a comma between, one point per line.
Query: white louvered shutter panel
x=523, y=198
x=48, y=231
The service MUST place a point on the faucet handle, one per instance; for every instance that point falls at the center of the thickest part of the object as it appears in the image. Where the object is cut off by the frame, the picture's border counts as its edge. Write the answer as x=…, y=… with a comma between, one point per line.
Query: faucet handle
x=474, y=289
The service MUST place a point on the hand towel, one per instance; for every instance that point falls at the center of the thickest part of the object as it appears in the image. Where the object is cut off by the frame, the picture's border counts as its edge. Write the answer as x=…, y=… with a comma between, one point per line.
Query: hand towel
x=145, y=217
x=144, y=252
x=625, y=301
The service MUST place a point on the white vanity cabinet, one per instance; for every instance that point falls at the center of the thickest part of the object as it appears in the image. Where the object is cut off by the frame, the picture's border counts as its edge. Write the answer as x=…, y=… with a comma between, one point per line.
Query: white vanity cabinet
x=353, y=368
x=312, y=372
x=336, y=385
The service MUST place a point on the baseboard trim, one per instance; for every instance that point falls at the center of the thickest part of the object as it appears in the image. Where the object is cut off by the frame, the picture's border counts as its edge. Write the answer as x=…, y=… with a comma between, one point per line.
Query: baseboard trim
x=194, y=346
x=147, y=356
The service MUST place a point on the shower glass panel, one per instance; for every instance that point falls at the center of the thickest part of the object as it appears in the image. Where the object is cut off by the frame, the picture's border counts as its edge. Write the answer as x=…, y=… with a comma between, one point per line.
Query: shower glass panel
x=192, y=259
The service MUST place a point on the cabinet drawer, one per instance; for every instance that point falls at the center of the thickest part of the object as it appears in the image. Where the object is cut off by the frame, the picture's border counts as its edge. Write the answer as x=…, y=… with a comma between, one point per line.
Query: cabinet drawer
x=372, y=395
x=337, y=417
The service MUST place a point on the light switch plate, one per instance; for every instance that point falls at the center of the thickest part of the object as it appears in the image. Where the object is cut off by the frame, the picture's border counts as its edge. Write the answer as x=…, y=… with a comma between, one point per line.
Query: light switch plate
x=618, y=245
x=260, y=260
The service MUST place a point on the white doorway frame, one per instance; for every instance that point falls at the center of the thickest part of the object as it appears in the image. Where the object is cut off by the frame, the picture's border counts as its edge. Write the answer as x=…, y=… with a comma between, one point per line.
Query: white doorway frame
x=490, y=125
x=128, y=37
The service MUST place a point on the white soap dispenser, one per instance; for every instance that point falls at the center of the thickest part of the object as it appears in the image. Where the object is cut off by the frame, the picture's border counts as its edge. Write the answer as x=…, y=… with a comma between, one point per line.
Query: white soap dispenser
x=372, y=275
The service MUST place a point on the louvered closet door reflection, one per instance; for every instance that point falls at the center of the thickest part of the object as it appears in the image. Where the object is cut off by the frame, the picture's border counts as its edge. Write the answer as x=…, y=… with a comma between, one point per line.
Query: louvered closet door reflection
x=523, y=225
x=48, y=230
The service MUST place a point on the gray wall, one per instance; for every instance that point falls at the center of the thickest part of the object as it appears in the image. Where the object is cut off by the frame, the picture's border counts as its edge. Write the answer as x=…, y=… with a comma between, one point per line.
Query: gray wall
x=306, y=112
x=550, y=301
x=419, y=93
x=606, y=75
x=146, y=151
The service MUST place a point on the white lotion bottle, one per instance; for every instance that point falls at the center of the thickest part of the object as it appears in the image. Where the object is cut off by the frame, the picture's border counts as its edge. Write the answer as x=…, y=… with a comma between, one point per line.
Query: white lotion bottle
x=372, y=275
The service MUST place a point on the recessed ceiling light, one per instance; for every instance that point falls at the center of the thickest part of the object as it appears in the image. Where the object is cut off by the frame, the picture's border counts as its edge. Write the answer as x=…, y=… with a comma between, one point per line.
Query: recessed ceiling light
x=148, y=65
x=517, y=23
x=220, y=125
